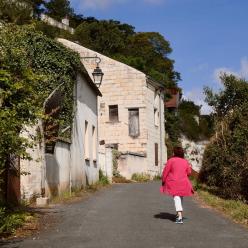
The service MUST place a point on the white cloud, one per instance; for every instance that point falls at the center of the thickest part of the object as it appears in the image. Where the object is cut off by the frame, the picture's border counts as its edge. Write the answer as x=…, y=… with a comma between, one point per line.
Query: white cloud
x=242, y=72
x=198, y=97
x=103, y=4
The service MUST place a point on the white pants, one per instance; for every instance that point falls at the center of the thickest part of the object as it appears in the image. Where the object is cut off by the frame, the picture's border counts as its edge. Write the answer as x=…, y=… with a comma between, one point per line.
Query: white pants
x=178, y=203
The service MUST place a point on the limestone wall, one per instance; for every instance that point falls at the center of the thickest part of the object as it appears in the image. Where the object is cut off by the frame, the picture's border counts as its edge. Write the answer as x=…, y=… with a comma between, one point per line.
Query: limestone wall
x=68, y=166
x=32, y=170
x=126, y=87
x=49, y=20
x=84, y=167
x=156, y=130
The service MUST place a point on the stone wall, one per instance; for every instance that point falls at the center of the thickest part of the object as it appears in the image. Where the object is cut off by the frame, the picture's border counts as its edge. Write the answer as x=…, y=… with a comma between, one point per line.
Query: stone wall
x=126, y=87
x=49, y=20
x=67, y=167
x=84, y=168
x=156, y=133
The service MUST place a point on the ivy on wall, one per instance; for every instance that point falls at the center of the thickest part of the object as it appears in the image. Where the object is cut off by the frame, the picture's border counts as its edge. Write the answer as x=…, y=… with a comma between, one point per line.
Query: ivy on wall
x=31, y=67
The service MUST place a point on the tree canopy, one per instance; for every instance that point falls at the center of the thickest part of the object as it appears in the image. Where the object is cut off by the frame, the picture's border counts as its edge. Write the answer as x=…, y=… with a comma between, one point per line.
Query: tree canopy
x=31, y=67
x=145, y=51
x=59, y=9
x=18, y=12
x=225, y=166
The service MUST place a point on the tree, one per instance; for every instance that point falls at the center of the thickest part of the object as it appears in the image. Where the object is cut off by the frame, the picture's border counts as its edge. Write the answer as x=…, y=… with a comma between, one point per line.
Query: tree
x=59, y=9
x=37, y=6
x=31, y=67
x=147, y=52
x=225, y=166
x=103, y=36
x=234, y=94
x=18, y=12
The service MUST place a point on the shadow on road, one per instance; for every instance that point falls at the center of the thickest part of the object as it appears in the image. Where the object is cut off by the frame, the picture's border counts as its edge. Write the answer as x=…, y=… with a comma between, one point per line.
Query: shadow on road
x=6, y=243
x=165, y=216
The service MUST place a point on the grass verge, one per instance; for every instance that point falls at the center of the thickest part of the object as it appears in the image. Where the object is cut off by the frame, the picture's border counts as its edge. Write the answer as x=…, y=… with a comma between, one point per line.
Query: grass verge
x=78, y=193
x=236, y=210
x=11, y=220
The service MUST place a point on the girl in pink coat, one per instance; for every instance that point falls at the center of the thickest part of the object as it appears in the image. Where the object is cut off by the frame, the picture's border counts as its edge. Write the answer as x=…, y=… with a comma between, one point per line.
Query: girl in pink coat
x=175, y=181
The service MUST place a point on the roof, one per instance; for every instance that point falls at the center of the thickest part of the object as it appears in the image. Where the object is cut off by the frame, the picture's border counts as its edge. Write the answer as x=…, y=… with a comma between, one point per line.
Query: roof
x=90, y=81
x=156, y=84
x=84, y=73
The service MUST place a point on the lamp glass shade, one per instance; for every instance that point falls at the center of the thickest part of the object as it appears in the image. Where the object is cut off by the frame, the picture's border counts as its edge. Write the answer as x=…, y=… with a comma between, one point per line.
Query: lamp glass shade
x=97, y=75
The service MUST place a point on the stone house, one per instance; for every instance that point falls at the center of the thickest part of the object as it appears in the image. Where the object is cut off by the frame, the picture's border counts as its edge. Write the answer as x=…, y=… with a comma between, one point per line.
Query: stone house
x=66, y=164
x=131, y=114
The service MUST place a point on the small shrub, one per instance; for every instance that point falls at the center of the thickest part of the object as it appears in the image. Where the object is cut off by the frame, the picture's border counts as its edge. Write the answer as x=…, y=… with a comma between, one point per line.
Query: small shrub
x=141, y=177
x=121, y=179
x=157, y=178
x=116, y=154
x=103, y=180
x=10, y=221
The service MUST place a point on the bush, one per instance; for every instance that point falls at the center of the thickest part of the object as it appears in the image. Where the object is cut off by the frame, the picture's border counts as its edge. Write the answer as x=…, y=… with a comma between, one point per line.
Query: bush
x=116, y=154
x=141, y=177
x=225, y=161
x=9, y=221
x=103, y=180
x=157, y=178
x=120, y=179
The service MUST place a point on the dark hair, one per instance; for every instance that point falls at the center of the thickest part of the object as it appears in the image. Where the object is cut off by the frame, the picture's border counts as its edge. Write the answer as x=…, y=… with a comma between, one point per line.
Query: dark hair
x=178, y=152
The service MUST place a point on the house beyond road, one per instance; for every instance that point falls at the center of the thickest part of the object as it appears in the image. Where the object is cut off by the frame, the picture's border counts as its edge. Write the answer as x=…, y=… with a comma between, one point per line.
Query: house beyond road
x=136, y=216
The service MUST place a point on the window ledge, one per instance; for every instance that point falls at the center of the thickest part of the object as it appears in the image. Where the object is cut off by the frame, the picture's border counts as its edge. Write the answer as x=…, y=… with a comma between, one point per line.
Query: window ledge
x=112, y=122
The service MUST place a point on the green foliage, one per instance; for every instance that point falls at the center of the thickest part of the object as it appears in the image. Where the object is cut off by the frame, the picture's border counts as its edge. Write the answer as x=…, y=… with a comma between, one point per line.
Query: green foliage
x=10, y=221
x=18, y=12
x=193, y=129
x=58, y=9
x=237, y=210
x=172, y=127
x=234, y=94
x=31, y=67
x=103, y=180
x=188, y=112
x=157, y=178
x=225, y=166
x=52, y=32
x=115, y=156
x=141, y=177
x=122, y=43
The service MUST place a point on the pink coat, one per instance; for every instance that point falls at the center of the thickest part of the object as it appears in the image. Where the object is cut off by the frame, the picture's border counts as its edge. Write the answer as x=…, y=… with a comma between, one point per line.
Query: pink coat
x=175, y=178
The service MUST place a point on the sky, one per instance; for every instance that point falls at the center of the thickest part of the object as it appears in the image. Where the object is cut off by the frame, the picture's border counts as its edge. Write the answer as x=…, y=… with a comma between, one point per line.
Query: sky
x=208, y=37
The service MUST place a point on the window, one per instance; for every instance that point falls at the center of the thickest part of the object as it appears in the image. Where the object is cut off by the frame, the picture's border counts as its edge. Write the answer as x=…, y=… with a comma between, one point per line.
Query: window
x=86, y=141
x=94, y=147
x=113, y=113
x=156, y=117
x=156, y=154
x=133, y=115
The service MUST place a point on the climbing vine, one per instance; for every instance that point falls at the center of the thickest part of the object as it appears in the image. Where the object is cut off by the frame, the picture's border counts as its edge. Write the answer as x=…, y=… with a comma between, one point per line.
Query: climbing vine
x=31, y=67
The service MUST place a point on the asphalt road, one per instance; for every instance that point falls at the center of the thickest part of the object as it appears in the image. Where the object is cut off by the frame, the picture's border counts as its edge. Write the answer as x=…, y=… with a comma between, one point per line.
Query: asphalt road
x=136, y=216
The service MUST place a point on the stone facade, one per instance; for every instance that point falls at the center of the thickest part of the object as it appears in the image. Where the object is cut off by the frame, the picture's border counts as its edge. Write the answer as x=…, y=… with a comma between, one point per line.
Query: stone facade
x=134, y=98
x=68, y=167
x=64, y=24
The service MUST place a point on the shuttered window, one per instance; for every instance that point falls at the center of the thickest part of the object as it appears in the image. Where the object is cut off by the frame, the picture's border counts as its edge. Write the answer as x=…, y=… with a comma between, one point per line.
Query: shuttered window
x=113, y=113
x=133, y=122
x=156, y=154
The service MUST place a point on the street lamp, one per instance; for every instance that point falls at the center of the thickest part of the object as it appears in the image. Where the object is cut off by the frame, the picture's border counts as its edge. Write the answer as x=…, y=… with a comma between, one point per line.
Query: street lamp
x=97, y=73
